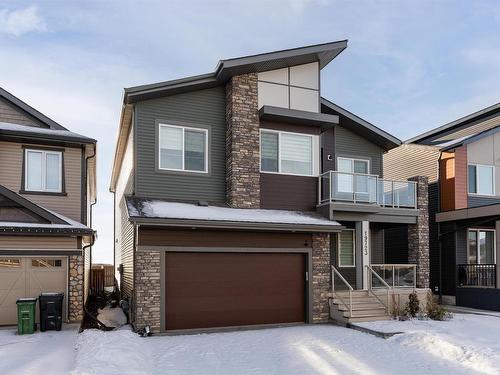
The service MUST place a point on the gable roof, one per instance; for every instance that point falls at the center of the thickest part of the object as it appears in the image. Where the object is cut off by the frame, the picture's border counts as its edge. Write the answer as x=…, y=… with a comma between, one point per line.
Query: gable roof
x=225, y=69
x=361, y=126
x=470, y=139
x=51, y=130
x=482, y=116
x=57, y=223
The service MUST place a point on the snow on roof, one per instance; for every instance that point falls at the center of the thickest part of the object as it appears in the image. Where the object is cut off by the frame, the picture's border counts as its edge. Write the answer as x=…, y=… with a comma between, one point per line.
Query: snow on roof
x=41, y=131
x=171, y=210
x=71, y=224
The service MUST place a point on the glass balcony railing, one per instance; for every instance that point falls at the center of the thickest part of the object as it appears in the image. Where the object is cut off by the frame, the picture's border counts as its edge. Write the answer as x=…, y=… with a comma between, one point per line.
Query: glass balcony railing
x=337, y=186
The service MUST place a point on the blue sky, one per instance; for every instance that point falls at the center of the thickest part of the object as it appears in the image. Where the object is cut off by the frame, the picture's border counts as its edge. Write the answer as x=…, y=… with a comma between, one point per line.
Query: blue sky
x=409, y=66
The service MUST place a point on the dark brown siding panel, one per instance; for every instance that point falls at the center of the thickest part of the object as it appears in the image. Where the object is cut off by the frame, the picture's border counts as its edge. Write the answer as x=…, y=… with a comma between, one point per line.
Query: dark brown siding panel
x=294, y=128
x=233, y=289
x=327, y=151
x=284, y=192
x=214, y=238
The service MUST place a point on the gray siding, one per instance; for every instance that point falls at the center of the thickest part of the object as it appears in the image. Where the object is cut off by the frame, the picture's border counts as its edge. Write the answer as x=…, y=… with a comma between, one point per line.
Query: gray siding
x=127, y=253
x=203, y=108
x=476, y=201
x=377, y=244
x=349, y=144
x=461, y=246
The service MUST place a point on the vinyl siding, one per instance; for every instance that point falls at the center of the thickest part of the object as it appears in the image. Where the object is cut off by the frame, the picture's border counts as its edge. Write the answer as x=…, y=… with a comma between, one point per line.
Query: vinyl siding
x=203, y=108
x=38, y=243
x=126, y=244
x=11, y=177
x=478, y=201
x=349, y=144
x=377, y=244
x=411, y=160
x=11, y=114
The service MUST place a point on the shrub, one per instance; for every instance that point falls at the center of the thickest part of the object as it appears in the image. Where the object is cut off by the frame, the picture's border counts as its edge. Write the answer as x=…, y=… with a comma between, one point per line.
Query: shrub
x=413, y=305
x=435, y=311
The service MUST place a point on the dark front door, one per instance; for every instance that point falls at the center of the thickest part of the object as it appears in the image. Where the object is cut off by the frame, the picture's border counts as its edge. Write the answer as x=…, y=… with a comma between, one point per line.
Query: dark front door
x=205, y=290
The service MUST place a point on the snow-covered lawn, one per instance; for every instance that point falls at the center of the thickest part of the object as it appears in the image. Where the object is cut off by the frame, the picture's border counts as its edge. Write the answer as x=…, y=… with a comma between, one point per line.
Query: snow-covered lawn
x=48, y=352
x=465, y=345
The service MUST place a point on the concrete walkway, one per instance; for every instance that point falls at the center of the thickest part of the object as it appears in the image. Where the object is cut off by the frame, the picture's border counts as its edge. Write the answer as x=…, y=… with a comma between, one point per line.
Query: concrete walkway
x=470, y=310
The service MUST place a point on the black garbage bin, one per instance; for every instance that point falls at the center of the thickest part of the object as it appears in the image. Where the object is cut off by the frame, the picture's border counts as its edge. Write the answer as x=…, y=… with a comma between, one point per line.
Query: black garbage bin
x=51, y=311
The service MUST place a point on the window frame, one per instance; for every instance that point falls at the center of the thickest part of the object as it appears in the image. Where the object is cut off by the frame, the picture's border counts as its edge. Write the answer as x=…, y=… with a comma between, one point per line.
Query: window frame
x=184, y=128
x=479, y=230
x=476, y=165
x=314, y=167
x=43, y=190
x=353, y=231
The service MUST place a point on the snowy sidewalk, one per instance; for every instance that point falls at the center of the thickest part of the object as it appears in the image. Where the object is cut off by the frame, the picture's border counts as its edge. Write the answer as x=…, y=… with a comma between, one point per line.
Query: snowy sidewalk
x=48, y=352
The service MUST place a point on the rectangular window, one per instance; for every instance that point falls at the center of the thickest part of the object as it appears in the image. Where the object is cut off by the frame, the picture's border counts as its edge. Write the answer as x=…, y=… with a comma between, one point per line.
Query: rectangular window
x=46, y=263
x=43, y=171
x=481, y=246
x=481, y=179
x=345, y=180
x=10, y=263
x=346, y=249
x=183, y=148
x=287, y=153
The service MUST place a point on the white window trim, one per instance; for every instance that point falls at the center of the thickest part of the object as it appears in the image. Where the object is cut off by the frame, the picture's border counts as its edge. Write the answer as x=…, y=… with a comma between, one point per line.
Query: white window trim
x=183, y=145
x=314, y=151
x=353, y=249
x=353, y=160
x=44, y=170
x=477, y=230
x=477, y=180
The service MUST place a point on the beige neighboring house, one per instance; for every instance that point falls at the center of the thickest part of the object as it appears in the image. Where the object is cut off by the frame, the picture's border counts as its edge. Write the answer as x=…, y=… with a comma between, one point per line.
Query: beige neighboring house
x=47, y=189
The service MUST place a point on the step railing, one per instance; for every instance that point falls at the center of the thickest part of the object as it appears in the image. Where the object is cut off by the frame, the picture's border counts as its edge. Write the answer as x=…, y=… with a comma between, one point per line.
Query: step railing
x=381, y=284
x=342, y=286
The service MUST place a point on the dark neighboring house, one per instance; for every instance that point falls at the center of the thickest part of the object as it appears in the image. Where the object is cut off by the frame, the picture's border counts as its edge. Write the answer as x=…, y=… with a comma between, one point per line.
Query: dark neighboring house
x=462, y=161
x=47, y=187
x=237, y=191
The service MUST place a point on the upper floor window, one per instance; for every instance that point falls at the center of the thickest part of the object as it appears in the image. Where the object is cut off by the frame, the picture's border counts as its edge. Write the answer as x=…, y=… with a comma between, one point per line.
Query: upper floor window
x=43, y=171
x=287, y=153
x=346, y=181
x=294, y=87
x=481, y=179
x=183, y=148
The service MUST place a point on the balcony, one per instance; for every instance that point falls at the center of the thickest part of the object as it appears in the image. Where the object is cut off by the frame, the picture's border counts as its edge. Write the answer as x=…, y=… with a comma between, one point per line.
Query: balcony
x=477, y=275
x=366, y=189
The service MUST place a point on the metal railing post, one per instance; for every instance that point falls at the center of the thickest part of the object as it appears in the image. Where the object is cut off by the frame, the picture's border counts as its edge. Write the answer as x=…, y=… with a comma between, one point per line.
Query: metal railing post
x=330, y=186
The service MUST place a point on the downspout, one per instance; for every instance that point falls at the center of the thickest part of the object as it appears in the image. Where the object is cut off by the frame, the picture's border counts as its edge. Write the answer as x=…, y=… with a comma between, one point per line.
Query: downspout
x=92, y=241
x=440, y=243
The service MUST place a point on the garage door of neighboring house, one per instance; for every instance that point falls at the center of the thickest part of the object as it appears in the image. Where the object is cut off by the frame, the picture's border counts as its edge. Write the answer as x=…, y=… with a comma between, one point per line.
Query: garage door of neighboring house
x=28, y=277
x=210, y=289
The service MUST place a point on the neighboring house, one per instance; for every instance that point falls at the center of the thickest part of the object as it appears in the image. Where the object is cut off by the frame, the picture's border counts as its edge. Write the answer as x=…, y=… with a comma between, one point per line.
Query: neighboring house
x=236, y=192
x=462, y=161
x=47, y=188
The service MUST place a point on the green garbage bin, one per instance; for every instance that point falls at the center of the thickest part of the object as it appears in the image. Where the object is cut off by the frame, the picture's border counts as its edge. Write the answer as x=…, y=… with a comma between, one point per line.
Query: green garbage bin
x=26, y=308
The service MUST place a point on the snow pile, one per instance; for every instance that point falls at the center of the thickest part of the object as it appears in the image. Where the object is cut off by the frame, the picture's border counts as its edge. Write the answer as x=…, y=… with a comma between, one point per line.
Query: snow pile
x=119, y=352
x=112, y=317
x=172, y=210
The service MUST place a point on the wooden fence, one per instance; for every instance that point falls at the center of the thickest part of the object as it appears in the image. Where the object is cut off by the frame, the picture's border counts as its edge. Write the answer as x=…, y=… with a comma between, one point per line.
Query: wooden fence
x=101, y=276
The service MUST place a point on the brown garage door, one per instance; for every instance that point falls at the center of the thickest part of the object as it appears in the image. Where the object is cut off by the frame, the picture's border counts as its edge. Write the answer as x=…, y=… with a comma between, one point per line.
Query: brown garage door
x=206, y=290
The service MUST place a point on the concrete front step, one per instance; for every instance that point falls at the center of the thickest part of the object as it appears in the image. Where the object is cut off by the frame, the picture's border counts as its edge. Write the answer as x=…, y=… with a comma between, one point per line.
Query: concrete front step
x=368, y=319
x=365, y=307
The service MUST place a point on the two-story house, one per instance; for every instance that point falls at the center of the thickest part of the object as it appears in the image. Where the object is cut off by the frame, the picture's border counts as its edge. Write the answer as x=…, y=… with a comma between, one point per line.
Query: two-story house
x=47, y=189
x=241, y=194
x=462, y=161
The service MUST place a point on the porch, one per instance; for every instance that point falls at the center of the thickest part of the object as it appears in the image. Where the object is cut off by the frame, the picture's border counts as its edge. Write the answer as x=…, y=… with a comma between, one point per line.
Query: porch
x=386, y=293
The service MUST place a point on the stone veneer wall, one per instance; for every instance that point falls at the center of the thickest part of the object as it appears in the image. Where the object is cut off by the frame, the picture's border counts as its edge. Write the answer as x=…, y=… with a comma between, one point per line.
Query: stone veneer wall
x=147, y=290
x=321, y=277
x=418, y=234
x=242, y=142
x=75, y=288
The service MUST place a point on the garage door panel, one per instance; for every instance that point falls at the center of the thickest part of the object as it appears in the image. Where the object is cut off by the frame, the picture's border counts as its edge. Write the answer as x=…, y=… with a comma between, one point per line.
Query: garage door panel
x=12, y=285
x=205, y=290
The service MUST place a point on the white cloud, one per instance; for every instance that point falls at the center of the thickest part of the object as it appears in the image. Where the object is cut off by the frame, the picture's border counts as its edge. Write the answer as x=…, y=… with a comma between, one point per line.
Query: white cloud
x=21, y=21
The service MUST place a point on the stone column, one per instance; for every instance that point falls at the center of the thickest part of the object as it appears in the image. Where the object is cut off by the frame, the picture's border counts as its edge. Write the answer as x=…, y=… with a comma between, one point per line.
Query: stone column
x=242, y=142
x=418, y=234
x=147, y=290
x=320, y=277
x=75, y=288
